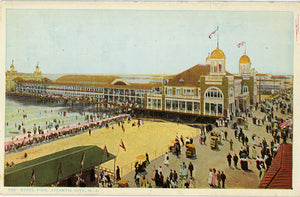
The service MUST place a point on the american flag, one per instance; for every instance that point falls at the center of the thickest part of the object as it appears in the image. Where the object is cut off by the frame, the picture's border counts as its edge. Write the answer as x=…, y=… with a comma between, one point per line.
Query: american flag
x=82, y=160
x=105, y=150
x=122, y=145
x=286, y=123
x=240, y=44
x=213, y=33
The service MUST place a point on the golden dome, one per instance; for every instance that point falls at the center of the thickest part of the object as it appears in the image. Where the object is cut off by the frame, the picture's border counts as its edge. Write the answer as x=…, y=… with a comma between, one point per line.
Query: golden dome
x=217, y=54
x=244, y=59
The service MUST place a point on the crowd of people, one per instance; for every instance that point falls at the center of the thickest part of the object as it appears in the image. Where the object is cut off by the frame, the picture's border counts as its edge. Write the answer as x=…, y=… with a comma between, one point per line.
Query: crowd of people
x=16, y=144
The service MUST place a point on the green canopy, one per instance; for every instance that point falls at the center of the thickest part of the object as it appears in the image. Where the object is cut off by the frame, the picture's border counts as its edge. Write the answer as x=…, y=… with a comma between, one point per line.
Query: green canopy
x=51, y=168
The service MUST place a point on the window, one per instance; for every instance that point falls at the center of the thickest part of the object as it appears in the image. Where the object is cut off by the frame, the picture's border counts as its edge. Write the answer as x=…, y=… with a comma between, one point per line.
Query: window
x=159, y=103
x=177, y=91
x=175, y=105
x=213, y=108
x=206, y=108
x=214, y=92
x=196, y=107
x=189, y=106
x=220, y=109
x=182, y=105
x=245, y=88
x=168, y=104
x=169, y=91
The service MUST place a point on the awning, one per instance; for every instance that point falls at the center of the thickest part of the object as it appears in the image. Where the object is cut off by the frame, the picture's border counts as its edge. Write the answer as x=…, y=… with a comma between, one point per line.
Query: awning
x=57, y=166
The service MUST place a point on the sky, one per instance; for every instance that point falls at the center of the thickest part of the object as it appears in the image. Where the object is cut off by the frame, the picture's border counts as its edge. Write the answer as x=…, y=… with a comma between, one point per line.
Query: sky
x=145, y=41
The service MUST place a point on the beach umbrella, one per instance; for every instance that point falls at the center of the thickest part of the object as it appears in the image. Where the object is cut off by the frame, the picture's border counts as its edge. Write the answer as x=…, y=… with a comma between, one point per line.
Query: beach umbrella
x=141, y=157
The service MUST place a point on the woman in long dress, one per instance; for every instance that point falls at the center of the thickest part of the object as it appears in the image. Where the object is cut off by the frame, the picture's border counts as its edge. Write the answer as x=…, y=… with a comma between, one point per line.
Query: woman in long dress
x=210, y=177
x=166, y=161
x=213, y=180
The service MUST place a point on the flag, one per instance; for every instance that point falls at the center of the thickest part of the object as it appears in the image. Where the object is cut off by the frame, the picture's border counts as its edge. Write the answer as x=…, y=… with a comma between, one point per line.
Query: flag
x=105, y=150
x=122, y=145
x=32, y=178
x=213, y=33
x=82, y=160
x=286, y=123
x=240, y=44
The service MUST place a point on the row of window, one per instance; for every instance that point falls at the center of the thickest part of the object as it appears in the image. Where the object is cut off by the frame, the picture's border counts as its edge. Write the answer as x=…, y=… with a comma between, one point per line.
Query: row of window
x=184, y=91
x=186, y=106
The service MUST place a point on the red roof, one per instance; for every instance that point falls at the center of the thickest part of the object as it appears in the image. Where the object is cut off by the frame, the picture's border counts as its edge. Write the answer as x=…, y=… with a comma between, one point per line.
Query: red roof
x=191, y=76
x=279, y=175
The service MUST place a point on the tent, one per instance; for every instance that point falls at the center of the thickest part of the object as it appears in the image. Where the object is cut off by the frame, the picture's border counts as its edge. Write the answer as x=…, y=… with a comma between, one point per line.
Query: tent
x=57, y=166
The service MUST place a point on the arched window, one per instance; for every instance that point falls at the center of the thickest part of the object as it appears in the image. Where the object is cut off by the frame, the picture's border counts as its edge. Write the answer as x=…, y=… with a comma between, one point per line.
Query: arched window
x=245, y=88
x=214, y=93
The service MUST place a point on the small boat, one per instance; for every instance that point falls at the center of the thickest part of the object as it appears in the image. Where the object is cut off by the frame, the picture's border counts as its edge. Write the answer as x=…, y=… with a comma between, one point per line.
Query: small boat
x=15, y=132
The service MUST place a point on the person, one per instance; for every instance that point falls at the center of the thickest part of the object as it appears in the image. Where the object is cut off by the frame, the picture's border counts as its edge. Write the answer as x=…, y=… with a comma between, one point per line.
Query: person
x=191, y=183
x=147, y=159
x=171, y=174
x=161, y=179
x=166, y=161
x=230, y=143
x=183, y=171
x=143, y=182
x=235, y=160
x=191, y=168
x=166, y=184
x=223, y=178
x=229, y=159
x=181, y=139
x=175, y=176
x=226, y=135
x=159, y=170
x=172, y=183
x=262, y=172
x=137, y=180
x=219, y=179
x=118, y=173
x=253, y=152
x=210, y=177
x=186, y=184
x=156, y=178
x=90, y=132
x=213, y=180
x=204, y=139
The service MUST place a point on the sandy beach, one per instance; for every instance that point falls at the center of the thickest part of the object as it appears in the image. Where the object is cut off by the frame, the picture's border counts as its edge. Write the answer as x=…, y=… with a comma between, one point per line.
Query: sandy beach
x=152, y=137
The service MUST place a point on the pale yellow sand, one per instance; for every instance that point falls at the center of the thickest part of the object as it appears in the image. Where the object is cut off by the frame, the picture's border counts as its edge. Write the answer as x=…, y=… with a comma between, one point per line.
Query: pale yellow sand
x=152, y=137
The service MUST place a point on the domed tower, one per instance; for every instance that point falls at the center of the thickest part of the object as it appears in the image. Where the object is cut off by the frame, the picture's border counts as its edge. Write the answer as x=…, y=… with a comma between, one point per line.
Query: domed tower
x=12, y=67
x=217, y=62
x=245, y=65
x=37, y=70
x=208, y=59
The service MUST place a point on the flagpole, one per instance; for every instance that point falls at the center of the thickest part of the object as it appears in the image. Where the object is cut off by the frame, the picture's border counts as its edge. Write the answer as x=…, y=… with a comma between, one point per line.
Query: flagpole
x=217, y=36
x=245, y=47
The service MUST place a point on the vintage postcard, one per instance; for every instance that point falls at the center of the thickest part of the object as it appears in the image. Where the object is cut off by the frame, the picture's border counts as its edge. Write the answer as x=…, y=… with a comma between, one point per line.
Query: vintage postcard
x=149, y=98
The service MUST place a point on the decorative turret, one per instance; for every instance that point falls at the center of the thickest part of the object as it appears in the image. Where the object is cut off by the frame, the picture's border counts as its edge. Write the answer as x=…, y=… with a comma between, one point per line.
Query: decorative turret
x=245, y=65
x=37, y=70
x=217, y=62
